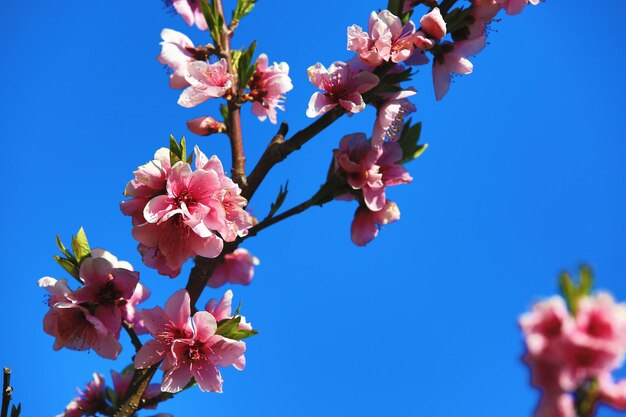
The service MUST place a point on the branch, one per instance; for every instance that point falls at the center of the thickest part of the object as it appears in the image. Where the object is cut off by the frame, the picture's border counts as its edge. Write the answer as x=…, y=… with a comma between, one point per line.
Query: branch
x=133, y=336
x=7, y=392
x=445, y=6
x=139, y=383
x=279, y=149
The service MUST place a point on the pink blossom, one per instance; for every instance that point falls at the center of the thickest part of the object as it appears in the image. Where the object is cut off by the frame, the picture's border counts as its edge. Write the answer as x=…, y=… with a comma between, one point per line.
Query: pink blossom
x=205, y=126
x=516, y=6
x=73, y=326
x=236, y=268
x=370, y=169
x=268, y=87
x=612, y=393
x=390, y=116
x=176, y=53
x=150, y=180
x=89, y=401
x=107, y=288
x=545, y=328
x=166, y=326
x=222, y=310
x=200, y=356
x=481, y=14
x=185, y=220
x=205, y=81
x=453, y=59
x=433, y=24
x=342, y=86
x=388, y=39
x=190, y=11
x=597, y=343
x=366, y=223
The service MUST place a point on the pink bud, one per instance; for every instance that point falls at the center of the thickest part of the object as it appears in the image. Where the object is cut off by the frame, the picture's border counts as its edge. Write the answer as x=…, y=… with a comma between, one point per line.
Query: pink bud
x=433, y=24
x=205, y=126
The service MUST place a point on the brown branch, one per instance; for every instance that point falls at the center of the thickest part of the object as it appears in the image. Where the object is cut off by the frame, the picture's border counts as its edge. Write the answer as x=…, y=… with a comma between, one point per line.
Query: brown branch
x=278, y=149
x=7, y=392
x=138, y=385
x=133, y=336
x=238, y=169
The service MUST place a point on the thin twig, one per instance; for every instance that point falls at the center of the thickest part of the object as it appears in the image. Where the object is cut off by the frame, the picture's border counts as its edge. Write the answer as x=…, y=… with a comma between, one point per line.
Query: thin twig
x=133, y=336
x=139, y=383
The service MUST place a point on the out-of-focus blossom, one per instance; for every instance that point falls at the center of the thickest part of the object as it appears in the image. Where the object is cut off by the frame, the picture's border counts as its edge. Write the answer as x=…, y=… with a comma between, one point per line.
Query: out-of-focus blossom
x=89, y=401
x=236, y=268
x=268, y=87
x=205, y=81
x=341, y=85
x=367, y=223
x=191, y=12
x=612, y=393
x=205, y=126
x=453, y=60
x=387, y=40
x=176, y=54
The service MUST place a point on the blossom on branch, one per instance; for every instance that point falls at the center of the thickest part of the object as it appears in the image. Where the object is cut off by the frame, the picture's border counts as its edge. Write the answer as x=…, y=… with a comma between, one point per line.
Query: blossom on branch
x=236, y=268
x=205, y=81
x=91, y=317
x=367, y=223
x=176, y=54
x=191, y=12
x=268, y=87
x=342, y=85
x=192, y=214
x=452, y=59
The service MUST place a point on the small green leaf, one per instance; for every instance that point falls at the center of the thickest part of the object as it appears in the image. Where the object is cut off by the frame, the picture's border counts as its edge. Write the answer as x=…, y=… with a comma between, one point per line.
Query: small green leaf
x=227, y=326
x=80, y=246
x=409, y=138
x=244, y=7
x=111, y=395
x=175, y=151
x=183, y=149
x=238, y=309
x=569, y=291
x=68, y=265
x=62, y=248
x=244, y=66
x=395, y=7
x=456, y=19
x=586, y=280
x=224, y=112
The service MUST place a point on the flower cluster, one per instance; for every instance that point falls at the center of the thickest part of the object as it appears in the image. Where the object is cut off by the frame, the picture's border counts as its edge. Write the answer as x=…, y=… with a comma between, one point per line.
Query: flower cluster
x=567, y=353
x=370, y=169
x=98, y=398
x=202, y=80
x=91, y=317
x=188, y=346
x=179, y=213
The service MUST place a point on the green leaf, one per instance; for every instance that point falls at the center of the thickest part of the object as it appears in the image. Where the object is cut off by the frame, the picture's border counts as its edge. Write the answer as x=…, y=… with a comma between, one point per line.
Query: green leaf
x=586, y=281
x=224, y=112
x=111, y=395
x=244, y=7
x=80, y=246
x=68, y=265
x=280, y=199
x=62, y=248
x=244, y=66
x=183, y=149
x=214, y=20
x=569, y=291
x=408, y=142
x=229, y=328
x=238, y=309
x=175, y=151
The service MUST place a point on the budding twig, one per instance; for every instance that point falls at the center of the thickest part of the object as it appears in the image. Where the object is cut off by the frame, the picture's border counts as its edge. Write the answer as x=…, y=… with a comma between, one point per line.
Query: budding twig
x=7, y=392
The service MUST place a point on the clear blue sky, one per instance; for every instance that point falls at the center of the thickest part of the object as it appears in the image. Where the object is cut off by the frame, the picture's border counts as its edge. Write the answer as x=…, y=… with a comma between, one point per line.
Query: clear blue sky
x=525, y=176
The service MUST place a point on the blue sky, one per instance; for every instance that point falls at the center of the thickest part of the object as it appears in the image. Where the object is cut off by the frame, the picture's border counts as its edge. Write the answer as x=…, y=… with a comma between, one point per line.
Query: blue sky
x=524, y=177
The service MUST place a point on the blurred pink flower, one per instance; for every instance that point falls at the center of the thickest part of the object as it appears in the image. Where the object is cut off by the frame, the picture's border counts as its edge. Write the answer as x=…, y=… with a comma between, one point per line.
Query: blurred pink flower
x=366, y=223
x=268, y=87
x=612, y=393
x=190, y=11
x=205, y=81
x=341, y=85
x=89, y=401
x=236, y=268
x=390, y=116
x=175, y=54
